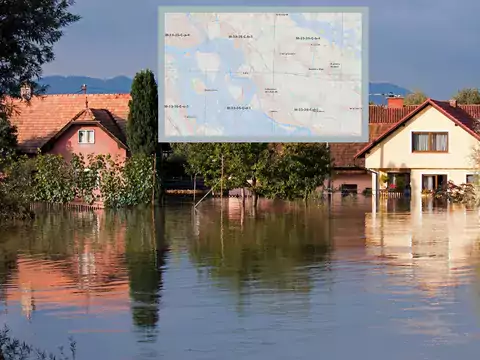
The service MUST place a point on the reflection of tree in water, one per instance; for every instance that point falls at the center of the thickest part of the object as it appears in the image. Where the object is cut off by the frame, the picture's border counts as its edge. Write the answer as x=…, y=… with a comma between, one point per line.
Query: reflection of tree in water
x=272, y=250
x=145, y=257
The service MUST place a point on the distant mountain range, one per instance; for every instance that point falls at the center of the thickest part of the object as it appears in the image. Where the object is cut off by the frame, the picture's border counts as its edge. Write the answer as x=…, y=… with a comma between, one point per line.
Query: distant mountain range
x=122, y=84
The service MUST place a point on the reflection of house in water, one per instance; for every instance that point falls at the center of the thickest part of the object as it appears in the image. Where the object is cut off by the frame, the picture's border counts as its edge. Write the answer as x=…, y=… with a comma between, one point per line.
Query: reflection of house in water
x=431, y=246
x=94, y=279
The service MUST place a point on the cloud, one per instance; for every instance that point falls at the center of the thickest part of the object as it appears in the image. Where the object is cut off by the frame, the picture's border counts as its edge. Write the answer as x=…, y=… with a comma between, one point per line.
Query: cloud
x=429, y=45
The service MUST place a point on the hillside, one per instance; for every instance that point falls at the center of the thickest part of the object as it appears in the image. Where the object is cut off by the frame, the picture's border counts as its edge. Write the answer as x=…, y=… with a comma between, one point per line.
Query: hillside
x=122, y=84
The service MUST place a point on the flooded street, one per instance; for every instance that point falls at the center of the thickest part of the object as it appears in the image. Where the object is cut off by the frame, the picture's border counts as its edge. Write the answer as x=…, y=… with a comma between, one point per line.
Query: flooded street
x=282, y=282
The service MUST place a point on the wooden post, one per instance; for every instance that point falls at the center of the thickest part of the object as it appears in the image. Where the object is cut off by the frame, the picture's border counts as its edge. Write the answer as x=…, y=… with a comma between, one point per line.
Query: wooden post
x=153, y=178
x=194, y=187
x=221, y=184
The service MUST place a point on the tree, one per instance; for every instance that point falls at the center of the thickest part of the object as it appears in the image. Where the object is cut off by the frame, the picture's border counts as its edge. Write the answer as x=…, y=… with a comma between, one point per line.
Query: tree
x=415, y=98
x=468, y=96
x=246, y=165
x=298, y=170
x=142, y=124
x=285, y=171
x=29, y=29
x=8, y=136
x=28, y=32
x=242, y=164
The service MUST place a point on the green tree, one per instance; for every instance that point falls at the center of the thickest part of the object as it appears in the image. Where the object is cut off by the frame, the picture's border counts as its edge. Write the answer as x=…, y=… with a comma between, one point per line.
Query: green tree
x=468, y=96
x=29, y=31
x=285, y=171
x=246, y=165
x=8, y=136
x=242, y=164
x=142, y=124
x=415, y=98
x=297, y=170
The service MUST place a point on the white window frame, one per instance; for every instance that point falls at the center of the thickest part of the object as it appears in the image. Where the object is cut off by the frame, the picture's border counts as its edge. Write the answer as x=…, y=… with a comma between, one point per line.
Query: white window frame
x=86, y=132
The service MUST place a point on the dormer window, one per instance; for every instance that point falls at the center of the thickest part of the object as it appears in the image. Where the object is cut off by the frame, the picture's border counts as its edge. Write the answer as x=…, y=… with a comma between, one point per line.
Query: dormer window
x=86, y=137
x=430, y=142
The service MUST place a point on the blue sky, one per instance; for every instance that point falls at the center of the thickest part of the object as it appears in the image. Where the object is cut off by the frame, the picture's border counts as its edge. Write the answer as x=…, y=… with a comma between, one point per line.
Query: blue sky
x=431, y=45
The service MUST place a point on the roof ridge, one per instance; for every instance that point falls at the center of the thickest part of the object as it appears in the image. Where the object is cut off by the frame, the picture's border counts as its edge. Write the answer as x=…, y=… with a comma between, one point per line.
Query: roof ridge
x=99, y=94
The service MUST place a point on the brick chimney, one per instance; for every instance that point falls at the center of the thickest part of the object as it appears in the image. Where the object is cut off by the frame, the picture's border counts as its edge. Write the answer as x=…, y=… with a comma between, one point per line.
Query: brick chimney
x=453, y=103
x=395, y=102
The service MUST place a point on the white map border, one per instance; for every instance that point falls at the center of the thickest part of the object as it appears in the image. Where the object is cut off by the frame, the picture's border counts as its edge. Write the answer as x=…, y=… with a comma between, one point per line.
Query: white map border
x=162, y=10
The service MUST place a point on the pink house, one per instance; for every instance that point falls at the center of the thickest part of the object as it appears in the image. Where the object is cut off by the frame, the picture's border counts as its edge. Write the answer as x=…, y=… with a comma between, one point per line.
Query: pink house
x=66, y=124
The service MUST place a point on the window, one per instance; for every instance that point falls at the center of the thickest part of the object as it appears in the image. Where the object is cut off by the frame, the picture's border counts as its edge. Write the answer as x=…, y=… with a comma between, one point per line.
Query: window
x=470, y=179
x=86, y=137
x=434, y=182
x=429, y=142
x=349, y=188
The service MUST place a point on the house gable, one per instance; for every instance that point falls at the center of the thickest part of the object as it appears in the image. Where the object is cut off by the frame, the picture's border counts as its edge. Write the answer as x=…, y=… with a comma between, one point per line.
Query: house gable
x=393, y=150
x=67, y=142
x=44, y=117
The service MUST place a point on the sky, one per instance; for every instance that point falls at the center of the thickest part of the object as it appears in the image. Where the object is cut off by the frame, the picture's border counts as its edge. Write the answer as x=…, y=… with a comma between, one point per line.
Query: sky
x=430, y=45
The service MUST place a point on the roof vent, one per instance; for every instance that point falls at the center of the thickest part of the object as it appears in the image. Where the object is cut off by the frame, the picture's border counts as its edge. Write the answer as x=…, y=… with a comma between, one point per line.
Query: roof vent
x=453, y=103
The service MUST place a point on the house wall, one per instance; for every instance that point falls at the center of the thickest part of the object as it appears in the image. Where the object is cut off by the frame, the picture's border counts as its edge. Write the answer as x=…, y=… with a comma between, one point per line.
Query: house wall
x=362, y=181
x=68, y=144
x=395, y=152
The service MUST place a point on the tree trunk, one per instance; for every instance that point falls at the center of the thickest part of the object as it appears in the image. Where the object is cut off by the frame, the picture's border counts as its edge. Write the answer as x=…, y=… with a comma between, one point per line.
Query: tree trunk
x=254, y=192
x=243, y=196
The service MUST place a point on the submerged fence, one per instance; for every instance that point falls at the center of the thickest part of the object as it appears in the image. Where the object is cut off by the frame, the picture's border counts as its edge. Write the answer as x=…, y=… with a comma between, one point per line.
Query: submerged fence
x=78, y=206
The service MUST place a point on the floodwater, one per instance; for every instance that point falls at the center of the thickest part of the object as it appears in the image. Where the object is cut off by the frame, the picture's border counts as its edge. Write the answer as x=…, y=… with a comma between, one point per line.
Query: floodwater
x=283, y=282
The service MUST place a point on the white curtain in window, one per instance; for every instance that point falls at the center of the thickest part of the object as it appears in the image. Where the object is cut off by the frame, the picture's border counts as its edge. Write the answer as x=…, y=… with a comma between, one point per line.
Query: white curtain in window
x=420, y=142
x=440, y=141
x=81, y=136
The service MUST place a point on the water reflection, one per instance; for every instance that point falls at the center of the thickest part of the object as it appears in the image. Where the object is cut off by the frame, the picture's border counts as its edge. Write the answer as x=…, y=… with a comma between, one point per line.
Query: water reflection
x=431, y=251
x=73, y=264
x=228, y=281
x=268, y=250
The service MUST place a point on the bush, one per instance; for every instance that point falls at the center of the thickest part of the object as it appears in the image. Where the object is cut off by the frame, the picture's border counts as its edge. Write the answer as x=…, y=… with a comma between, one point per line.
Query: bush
x=50, y=179
x=13, y=349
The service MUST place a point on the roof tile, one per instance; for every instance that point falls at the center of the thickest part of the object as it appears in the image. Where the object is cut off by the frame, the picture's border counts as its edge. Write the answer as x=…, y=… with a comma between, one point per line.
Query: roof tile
x=44, y=116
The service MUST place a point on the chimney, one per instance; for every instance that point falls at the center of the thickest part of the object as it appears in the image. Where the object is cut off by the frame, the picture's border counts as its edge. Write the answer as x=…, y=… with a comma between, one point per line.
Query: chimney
x=395, y=102
x=26, y=91
x=453, y=103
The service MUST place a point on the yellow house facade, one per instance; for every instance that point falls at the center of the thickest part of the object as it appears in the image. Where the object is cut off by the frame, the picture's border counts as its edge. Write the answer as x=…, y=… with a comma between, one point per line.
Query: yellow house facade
x=430, y=146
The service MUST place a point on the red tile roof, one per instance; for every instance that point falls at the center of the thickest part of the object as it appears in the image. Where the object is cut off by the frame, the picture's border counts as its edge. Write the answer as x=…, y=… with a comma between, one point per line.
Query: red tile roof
x=44, y=116
x=464, y=116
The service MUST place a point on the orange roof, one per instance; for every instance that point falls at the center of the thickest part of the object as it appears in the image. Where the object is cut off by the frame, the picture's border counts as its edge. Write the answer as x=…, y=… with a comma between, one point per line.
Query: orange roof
x=45, y=116
x=463, y=116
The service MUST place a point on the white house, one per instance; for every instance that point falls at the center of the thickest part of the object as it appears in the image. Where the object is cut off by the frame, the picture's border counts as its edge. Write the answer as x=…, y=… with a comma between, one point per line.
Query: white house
x=431, y=145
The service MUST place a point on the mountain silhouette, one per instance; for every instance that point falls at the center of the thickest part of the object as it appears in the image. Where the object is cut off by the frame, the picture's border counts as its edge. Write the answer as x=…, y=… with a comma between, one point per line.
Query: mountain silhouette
x=121, y=85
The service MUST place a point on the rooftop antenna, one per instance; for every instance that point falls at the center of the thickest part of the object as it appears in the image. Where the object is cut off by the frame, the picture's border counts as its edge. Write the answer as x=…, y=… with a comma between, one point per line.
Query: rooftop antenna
x=84, y=90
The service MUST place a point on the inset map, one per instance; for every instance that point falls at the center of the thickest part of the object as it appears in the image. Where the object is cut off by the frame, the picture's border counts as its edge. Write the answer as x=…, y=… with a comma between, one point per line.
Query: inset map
x=262, y=76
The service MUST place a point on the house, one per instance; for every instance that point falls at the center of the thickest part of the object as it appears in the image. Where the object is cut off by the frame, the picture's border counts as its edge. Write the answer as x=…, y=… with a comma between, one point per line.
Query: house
x=427, y=147
x=349, y=172
x=72, y=123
